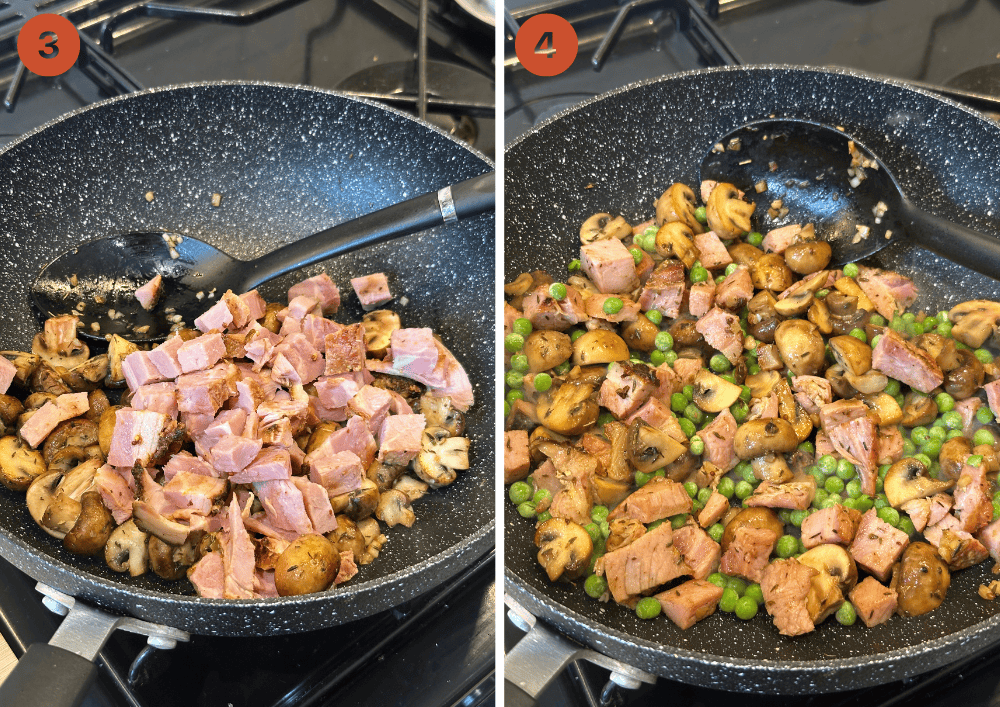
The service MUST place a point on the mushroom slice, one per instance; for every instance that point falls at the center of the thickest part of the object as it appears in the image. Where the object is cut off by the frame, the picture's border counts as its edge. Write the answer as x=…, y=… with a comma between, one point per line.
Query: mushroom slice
x=93, y=526
x=71, y=433
x=546, y=349
x=771, y=467
x=918, y=409
x=394, y=509
x=47, y=379
x=770, y=273
x=69, y=457
x=171, y=561
x=58, y=346
x=974, y=321
x=819, y=315
x=852, y=354
x=25, y=363
x=359, y=503
x=650, y=448
x=439, y=412
x=53, y=498
x=20, y=465
x=384, y=475
x=728, y=215
x=622, y=532
x=610, y=492
x=791, y=412
x=765, y=436
x=906, y=480
x=126, y=549
x=824, y=597
x=712, y=393
x=676, y=240
x=89, y=375
x=794, y=305
x=761, y=384
x=599, y=346
x=570, y=409
x=169, y=531
x=564, y=548
x=952, y=457
x=753, y=517
x=868, y=384
x=379, y=325
x=677, y=203
x=118, y=349
x=834, y=561
x=413, y=488
x=885, y=408
x=440, y=457
x=617, y=465
x=601, y=227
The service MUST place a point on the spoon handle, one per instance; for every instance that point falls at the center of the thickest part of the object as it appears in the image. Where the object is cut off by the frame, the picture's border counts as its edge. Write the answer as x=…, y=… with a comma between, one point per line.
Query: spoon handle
x=467, y=198
x=953, y=241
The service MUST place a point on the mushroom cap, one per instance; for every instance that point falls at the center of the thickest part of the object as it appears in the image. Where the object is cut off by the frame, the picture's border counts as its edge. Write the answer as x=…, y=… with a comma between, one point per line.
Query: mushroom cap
x=713, y=393
x=546, y=348
x=907, y=480
x=677, y=203
x=764, y=436
x=771, y=467
x=379, y=325
x=753, y=517
x=564, y=548
x=974, y=321
x=835, y=561
x=599, y=346
x=600, y=227
x=570, y=409
x=801, y=346
x=920, y=580
x=727, y=214
x=854, y=355
x=885, y=407
x=676, y=240
x=650, y=448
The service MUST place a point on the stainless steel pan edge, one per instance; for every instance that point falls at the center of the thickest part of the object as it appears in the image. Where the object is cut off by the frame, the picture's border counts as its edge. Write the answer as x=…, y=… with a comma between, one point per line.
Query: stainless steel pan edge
x=618, y=152
x=441, y=158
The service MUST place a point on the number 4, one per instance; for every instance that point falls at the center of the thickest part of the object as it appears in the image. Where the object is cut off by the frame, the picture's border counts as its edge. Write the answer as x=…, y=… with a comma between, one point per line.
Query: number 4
x=541, y=48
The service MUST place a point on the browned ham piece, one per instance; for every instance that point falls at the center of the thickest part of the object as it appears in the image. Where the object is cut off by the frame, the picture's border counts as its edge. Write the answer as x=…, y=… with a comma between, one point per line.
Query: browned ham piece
x=546, y=312
x=722, y=332
x=785, y=585
x=891, y=292
x=796, y=494
x=836, y=524
x=711, y=251
x=898, y=358
x=857, y=441
x=660, y=498
x=700, y=552
x=735, y=291
x=873, y=601
x=718, y=437
x=626, y=387
x=877, y=545
x=609, y=265
x=648, y=562
x=748, y=553
x=516, y=462
x=973, y=505
x=690, y=602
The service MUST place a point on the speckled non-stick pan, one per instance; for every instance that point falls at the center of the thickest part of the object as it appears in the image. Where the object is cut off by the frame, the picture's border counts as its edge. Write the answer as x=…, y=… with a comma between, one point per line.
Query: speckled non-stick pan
x=617, y=153
x=288, y=162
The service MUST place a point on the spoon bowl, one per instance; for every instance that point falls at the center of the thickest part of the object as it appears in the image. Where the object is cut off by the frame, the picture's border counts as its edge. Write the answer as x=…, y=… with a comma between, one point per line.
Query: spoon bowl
x=797, y=171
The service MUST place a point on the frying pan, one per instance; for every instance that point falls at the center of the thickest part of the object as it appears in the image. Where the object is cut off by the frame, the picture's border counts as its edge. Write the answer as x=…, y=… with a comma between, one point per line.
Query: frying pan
x=288, y=161
x=617, y=153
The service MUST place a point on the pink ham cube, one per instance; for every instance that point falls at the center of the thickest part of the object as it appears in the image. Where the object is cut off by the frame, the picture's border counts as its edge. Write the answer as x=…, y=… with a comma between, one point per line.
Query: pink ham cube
x=272, y=463
x=337, y=391
x=399, y=438
x=372, y=290
x=48, y=417
x=232, y=454
x=338, y=473
x=302, y=356
x=149, y=293
x=218, y=316
x=353, y=437
x=284, y=505
x=7, y=373
x=609, y=264
x=320, y=287
x=185, y=461
x=626, y=387
x=201, y=352
x=345, y=350
x=164, y=357
x=413, y=351
x=256, y=306
x=161, y=397
x=317, y=504
x=138, y=436
x=372, y=404
x=139, y=370
x=712, y=252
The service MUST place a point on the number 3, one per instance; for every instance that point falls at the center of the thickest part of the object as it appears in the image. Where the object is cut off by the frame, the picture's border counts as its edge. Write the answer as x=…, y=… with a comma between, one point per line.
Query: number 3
x=51, y=51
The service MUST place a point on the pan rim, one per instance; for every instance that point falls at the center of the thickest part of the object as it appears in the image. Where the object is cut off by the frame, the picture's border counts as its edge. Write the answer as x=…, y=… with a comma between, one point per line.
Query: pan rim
x=84, y=585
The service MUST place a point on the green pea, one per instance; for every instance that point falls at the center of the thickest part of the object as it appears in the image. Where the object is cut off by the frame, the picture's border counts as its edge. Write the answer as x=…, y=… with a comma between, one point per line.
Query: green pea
x=822, y=293
x=728, y=601
x=845, y=470
x=909, y=317
x=698, y=275
x=687, y=426
x=753, y=369
x=865, y=503
x=892, y=387
x=506, y=409
x=688, y=391
x=853, y=488
x=648, y=608
x=945, y=402
x=544, y=516
x=859, y=334
x=906, y=525
x=678, y=520
x=985, y=415
x=807, y=447
x=700, y=215
x=787, y=546
x=576, y=334
x=952, y=420
x=642, y=478
x=636, y=254
x=514, y=395
x=612, y=305
x=797, y=516
x=519, y=362
x=932, y=447
x=744, y=471
x=513, y=342
x=657, y=357
x=846, y=615
x=834, y=484
x=718, y=579
x=542, y=382
x=890, y=515
x=594, y=531
x=745, y=608
x=743, y=490
x=944, y=329
x=670, y=357
x=974, y=460
x=514, y=379
x=522, y=326
x=719, y=363
x=574, y=265
x=527, y=509
x=694, y=413
x=875, y=339
x=876, y=320
x=983, y=355
x=739, y=410
x=737, y=585
x=654, y=316
x=754, y=592
x=909, y=448
x=727, y=487
x=519, y=492
x=850, y=270
x=595, y=586
x=983, y=436
x=755, y=239
x=691, y=488
x=919, y=435
x=541, y=495
x=664, y=341
x=697, y=446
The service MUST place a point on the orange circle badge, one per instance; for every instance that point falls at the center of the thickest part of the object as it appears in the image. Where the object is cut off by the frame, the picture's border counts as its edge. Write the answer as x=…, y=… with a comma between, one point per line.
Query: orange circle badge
x=48, y=45
x=546, y=45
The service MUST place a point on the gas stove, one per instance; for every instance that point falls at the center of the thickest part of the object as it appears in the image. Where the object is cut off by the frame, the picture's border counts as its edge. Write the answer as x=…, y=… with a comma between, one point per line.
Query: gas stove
x=945, y=46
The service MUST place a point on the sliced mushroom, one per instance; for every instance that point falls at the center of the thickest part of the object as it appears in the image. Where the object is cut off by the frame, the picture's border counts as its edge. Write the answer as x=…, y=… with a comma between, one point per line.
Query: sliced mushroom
x=743, y=253
x=148, y=519
x=801, y=346
x=871, y=382
x=766, y=436
x=966, y=378
x=170, y=561
x=834, y=561
x=347, y=537
x=848, y=286
x=99, y=403
x=89, y=375
x=728, y=215
x=126, y=549
x=69, y=457
x=824, y=597
x=118, y=349
x=974, y=321
x=439, y=412
x=918, y=409
x=413, y=488
x=546, y=349
x=885, y=408
x=53, y=498
x=359, y=503
x=819, y=315
x=394, y=509
x=600, y=227
x=685, y=334
x=677, y=203
x=93, y=526
x=58, y=346
x=47, y=379
x=24, y=363
x=791, y=412
x=650, y=448
x=71, y=433
x=808, y=256
x=599, y=346
x=907, y=480
x=952, y=457
x=761, y=384
x=440, y=457
x=610, y=492
x=712, y=393
x=379, y=325
x=771, y=467
x=794, y=305
x=564, y=548
x=676, y=240
x=106, y=429
x=522, y=285
x=771, y=273
x=920, y=580
x=838, y=382
x=852, y=354
x=568, y=410
x=10, y=409
x=20, y=465
x=640, y=335
x=384, y=475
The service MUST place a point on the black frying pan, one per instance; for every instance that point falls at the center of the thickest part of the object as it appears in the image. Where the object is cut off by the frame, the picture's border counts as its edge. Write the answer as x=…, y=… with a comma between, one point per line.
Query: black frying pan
x=618, y=153
x=288, y=161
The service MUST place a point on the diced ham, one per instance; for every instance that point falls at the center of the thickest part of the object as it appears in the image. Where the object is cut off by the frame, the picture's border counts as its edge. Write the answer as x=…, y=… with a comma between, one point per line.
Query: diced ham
x=201, y=352
x=237, y=556
x=345, y=350
x=690, y=602
x=372, y=290
x=297, y=309
x=812, y=392
x=857, y=441
x=877, y=545
x=117, y=492
x=139, y=436
x=687, y=369
x=8, y=371
x=715, y=508
x=655, y=413
x=990, y=538
x=150, y=293
x=660, y=498
x=232, y=454
x=139, y=370
x=317, y=504
x=338, y=473
x=701, y=298
x=227, y=423
x=184, y=461
x=955, y=546
x=973, y=505
x=399, y=438
x=321, y=288
x=204, y=391
x=711, y=251
x=919, y=510
x=718, y=437
x=735, y=291
x=664, y=289
x=841, y=411
x=218, y=316
x=609, y=264
x=195, y=491
x=160, y=397
x=573, y=500
x=270, y=464
x=546, y=312
x=785, y=585
x=898, y=358
x=993, y=396
x=648, y=562
x=284, y=505
x=626, y=387
x=764, y=408
x=967, y=409
x=940, y=505
x=890, y=292
x=700, y=552
x=796, y=494
x=348, y=567
x=516, y=461
x=207, y=576
x=316, y=328
x=722, y=332
x=836, y=525
x=256, y=306
x=873, y=601
x=239, y=308
x=748, y=552
x=777, y=240
x=448, y=379
x=48, y=417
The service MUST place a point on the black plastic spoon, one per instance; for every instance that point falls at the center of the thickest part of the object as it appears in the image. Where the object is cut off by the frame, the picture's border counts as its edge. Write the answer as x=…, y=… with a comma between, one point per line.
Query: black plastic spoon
x=103, y=275
x=804, y=166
